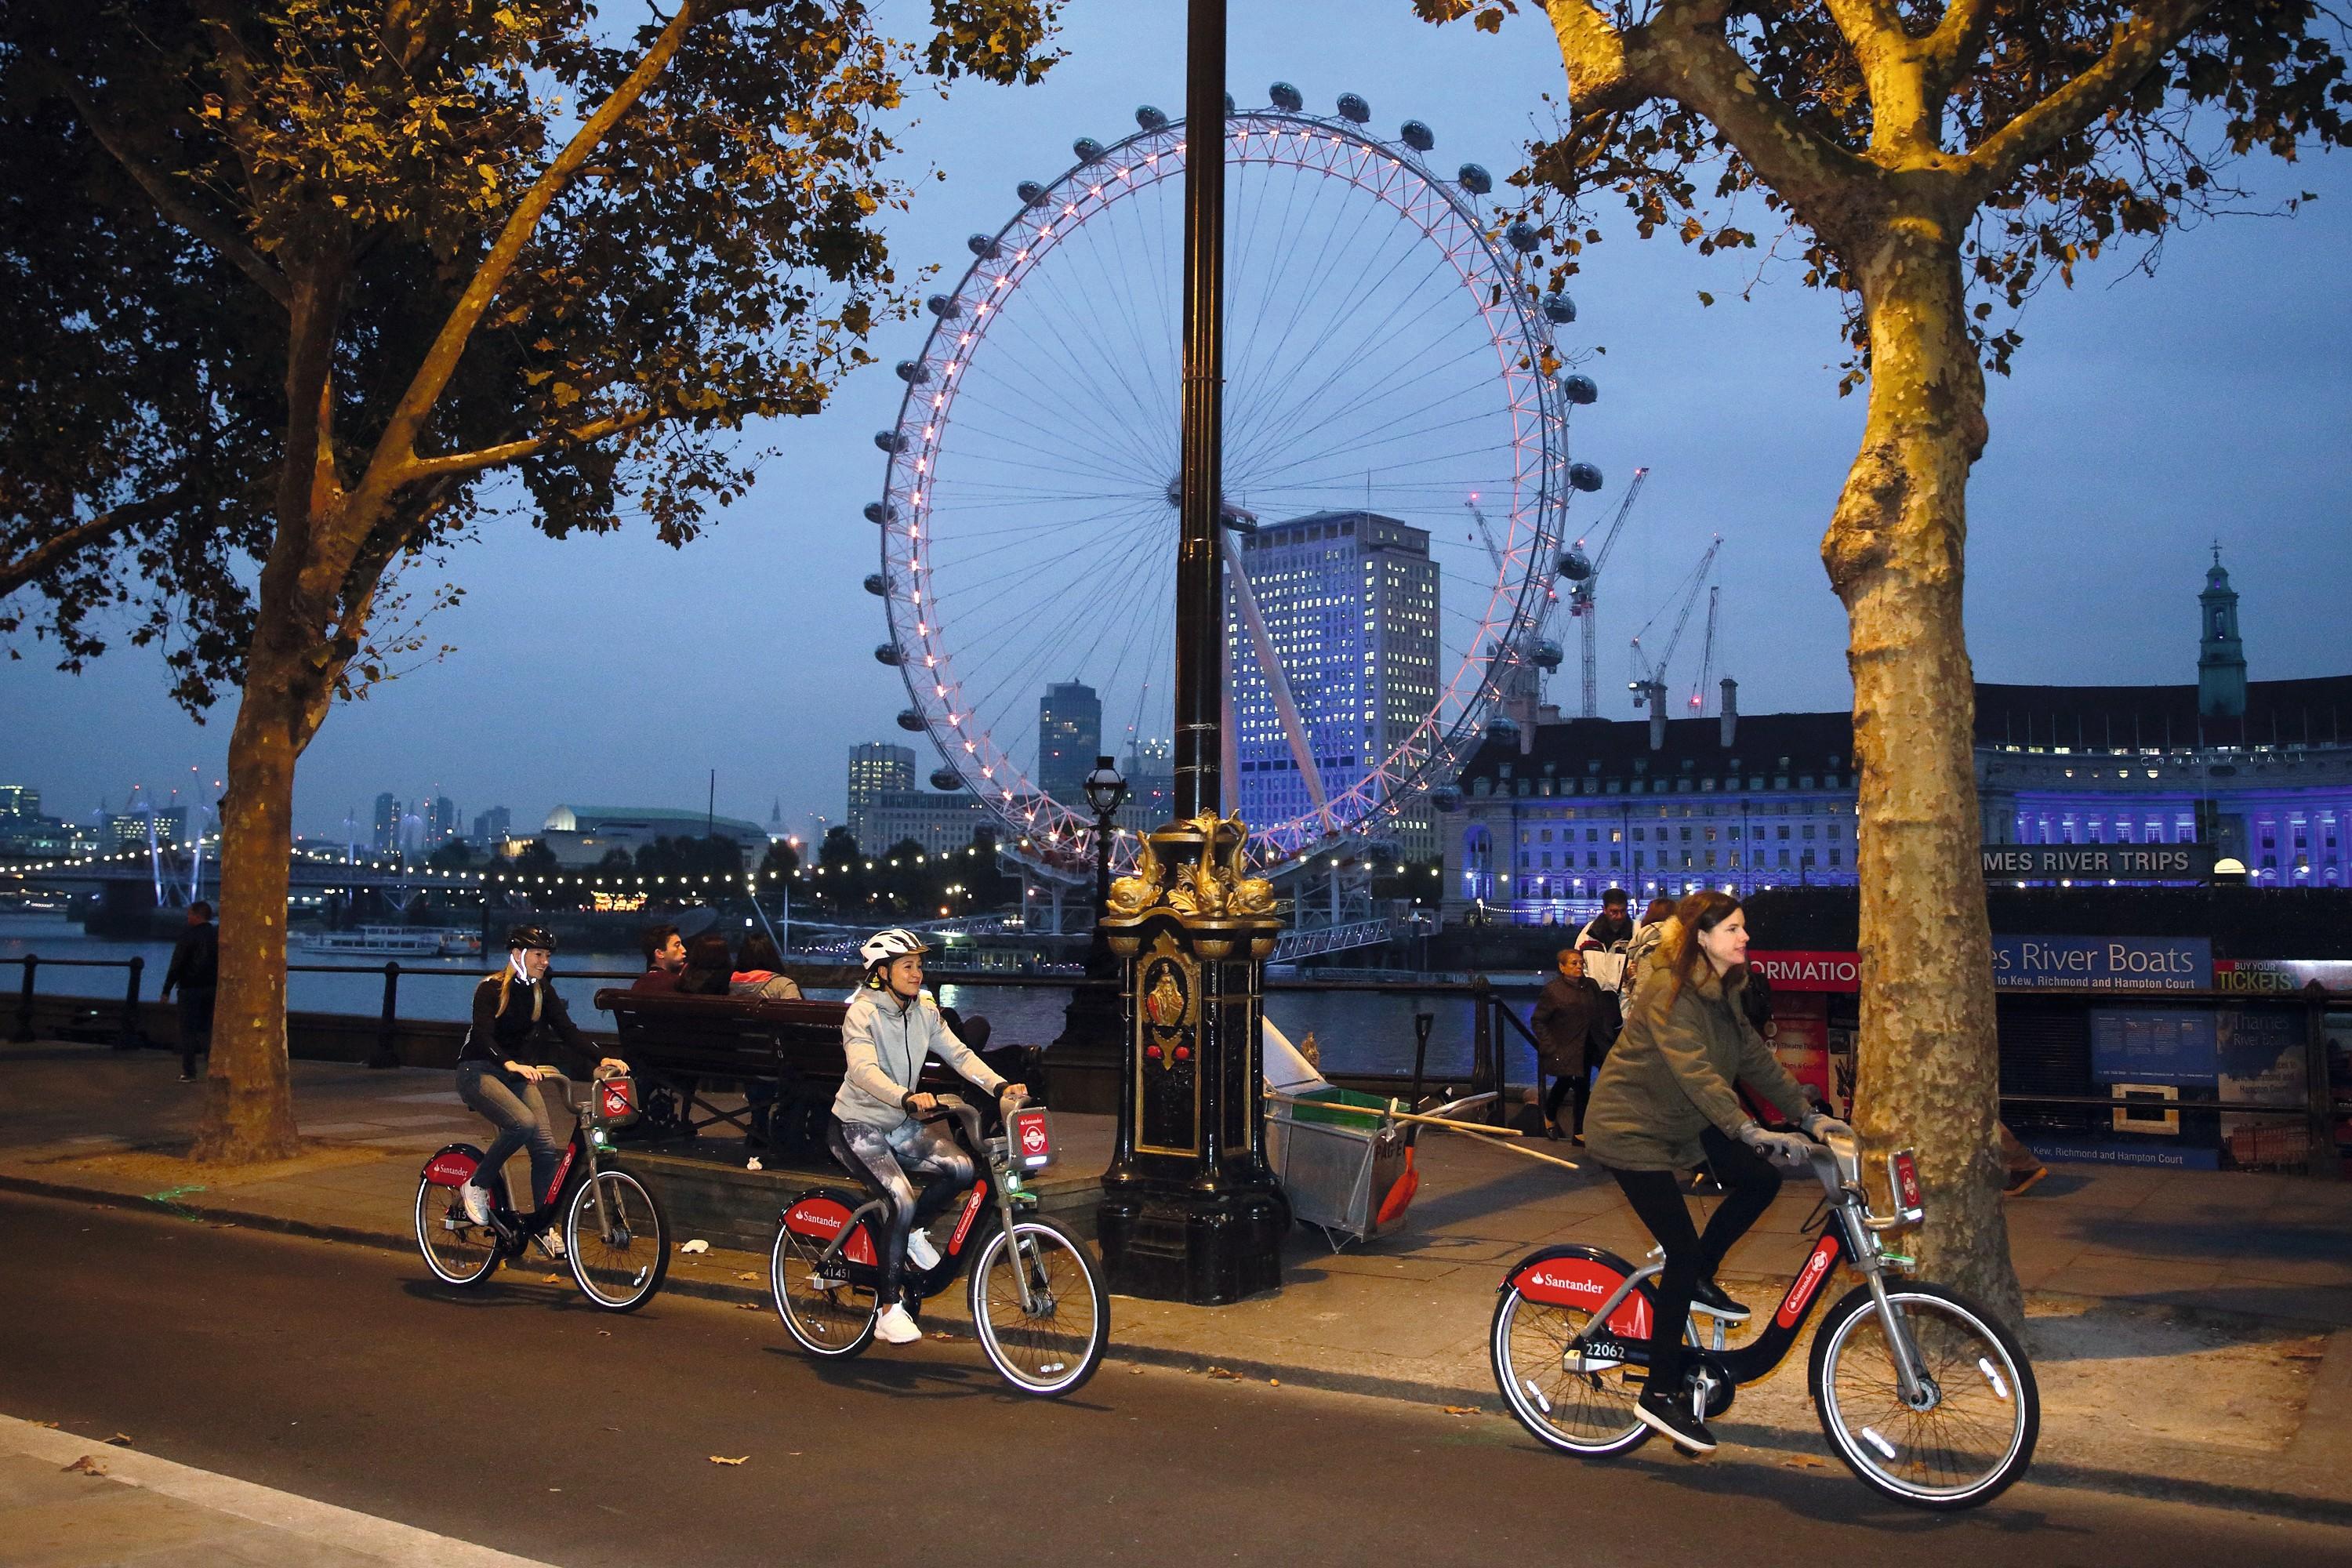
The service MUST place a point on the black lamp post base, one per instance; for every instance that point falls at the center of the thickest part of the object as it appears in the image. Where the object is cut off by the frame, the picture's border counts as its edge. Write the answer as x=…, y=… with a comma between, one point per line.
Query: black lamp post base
x=1205, y=1249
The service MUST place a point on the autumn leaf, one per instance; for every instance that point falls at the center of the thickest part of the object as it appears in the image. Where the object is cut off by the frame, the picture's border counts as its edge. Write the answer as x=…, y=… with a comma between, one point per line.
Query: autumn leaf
x=722, y=1459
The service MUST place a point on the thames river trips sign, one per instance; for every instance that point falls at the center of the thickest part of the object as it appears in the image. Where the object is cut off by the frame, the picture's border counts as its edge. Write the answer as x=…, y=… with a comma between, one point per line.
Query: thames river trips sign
x=2099, y=862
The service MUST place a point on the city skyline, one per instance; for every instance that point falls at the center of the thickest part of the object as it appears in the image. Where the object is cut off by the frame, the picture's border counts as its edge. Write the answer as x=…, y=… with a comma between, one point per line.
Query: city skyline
x=2145, y=417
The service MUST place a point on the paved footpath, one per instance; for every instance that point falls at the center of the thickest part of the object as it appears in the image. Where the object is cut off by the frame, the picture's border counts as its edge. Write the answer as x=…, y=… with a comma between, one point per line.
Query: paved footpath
x=2191, y=1331
x=67, y=1502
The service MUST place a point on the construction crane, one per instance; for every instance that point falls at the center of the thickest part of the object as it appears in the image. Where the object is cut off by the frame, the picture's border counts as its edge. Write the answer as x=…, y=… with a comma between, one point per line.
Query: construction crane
x=1584, y=571
x=1651, y=687
x=1706, y=657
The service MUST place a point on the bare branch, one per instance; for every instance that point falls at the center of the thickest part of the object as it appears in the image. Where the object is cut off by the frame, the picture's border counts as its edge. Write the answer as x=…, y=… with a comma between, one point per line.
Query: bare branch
x=394, y=454
x=39, y=560
x=513, y=451
x=2136, y=47
x=169, y=202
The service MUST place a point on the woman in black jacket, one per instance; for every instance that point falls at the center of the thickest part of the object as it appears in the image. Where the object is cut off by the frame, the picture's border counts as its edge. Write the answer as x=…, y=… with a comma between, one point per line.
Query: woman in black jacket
x=494, y=1080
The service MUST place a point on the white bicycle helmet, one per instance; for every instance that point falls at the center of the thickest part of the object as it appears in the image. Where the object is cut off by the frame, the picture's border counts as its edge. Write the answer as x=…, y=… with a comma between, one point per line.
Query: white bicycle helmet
x=885, y=945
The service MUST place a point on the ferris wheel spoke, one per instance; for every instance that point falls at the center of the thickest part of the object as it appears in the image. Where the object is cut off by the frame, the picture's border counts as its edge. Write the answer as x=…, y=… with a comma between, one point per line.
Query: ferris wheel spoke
x=1308, y=292
x=1281, y=364
x=1104, y=395
x=1139, y=394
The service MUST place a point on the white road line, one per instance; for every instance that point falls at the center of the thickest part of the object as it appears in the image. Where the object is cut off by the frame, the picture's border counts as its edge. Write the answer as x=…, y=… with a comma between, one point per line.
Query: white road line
x=382, y=1538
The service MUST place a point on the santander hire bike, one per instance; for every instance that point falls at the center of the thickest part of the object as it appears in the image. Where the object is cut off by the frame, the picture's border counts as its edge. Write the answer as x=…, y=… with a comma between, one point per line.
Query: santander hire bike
x=1923, y=1392
x=615, y=1237
x=1037, y=1303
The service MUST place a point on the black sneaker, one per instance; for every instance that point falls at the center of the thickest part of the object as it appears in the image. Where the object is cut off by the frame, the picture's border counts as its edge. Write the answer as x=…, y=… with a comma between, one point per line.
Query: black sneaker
x=1710, y=1298
x=1672, y=1417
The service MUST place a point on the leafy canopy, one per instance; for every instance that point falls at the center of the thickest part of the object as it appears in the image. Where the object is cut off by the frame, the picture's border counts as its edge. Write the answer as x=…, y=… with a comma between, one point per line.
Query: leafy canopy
x=202, y=202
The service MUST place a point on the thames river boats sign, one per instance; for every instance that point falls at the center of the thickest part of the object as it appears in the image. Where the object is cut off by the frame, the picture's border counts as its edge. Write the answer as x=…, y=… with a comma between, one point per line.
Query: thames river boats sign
x=2103, y=963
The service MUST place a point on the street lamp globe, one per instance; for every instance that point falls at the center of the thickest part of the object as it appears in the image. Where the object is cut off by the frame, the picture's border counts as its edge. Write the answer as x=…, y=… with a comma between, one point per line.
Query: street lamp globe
x=1106, y=790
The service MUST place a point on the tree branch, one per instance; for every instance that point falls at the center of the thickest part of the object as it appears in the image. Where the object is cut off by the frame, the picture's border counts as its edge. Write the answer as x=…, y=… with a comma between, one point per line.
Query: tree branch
x=1594, y=53
x=246, y=259
x=531, y=446
x=395, y=458
x=2134, y=49
x=42, y=558
x=1952, y=48
x=1682, y=54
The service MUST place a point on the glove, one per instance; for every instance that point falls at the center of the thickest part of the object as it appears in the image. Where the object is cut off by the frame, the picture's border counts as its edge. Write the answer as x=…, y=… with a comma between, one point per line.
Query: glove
x=1791, y=1147
x=1820, y=1125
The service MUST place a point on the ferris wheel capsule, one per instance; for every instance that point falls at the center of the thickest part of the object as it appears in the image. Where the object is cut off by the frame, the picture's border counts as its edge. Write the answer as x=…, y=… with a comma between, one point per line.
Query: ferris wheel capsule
x=946, y=307
x=1473, y=179
x=1149, y=118
x=879, y=512
x=913, y=371
x=877, y=584
x=1417, y=136
x=910, y=720
x=887, y=653
x=1030, y=192
x=1088, y=149
x=1522, y=236
x=1558, y=310
x=983, y=246
x=1575, y=565
x=1353, y=108
x=1580, y=390
x=1287, y=98
x=890, y=441
x=1584, y=476
x=946, y=778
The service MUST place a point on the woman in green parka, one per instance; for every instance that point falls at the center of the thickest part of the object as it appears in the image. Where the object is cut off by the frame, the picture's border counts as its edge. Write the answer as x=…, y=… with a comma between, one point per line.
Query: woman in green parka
x=1665, y=1100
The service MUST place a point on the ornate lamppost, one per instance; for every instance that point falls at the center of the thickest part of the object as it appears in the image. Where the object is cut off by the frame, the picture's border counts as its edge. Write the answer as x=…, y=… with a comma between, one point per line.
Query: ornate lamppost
x=1105, y=792
x=1190, y=1211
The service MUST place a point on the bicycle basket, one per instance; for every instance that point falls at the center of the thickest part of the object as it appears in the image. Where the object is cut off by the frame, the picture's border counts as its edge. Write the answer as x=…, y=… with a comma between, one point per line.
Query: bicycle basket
x=616, y=1102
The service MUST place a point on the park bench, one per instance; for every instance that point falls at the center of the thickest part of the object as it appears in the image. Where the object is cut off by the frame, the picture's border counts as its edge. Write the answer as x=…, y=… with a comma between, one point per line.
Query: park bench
x=784, y=1058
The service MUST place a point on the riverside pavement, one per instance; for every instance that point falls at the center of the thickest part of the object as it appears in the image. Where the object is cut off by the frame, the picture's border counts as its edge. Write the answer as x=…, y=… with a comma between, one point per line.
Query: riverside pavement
x=2191, y=1331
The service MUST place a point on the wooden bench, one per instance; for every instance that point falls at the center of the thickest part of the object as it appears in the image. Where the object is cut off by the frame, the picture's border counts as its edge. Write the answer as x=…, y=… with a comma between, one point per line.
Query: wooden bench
x=784, y=1057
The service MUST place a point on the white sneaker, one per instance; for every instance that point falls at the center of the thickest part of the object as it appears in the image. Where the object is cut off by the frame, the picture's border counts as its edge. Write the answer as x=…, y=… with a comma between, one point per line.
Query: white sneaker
x=477, y=1201
x=551, y=1241
x=895, y=1327
x=921, y=1252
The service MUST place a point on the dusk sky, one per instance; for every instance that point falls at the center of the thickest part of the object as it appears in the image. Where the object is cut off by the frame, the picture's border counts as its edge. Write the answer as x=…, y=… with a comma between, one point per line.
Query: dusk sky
x=2147, y=418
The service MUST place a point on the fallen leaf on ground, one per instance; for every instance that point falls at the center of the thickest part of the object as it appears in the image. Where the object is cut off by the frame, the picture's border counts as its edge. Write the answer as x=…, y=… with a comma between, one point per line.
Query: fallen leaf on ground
x=1221, y=1372
x=603, y=1333
x=747, y=1275
x=121, y=1440
x=1464, y=1410
x=1135, y=1371
x=50, y=1424
x=87, y=1465
x=942, y=1334
x=1274, y=1382
x=696, y=1245
x=721, y=1459
x=753, y=1164
x=746, y=1306
x=1804, y=1462
x=554, y=1279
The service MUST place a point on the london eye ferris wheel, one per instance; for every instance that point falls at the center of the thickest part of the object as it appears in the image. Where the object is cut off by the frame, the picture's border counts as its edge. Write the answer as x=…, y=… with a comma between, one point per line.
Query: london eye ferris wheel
x=1390, y=357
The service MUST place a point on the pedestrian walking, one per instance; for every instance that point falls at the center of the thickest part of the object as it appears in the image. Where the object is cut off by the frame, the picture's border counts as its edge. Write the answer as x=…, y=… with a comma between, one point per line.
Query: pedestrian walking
x=194, y=972
x=1571, y=1034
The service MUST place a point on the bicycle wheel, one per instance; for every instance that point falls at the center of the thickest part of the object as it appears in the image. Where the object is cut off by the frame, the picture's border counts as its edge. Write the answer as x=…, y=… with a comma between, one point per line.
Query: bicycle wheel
x=459, y=1251
x=619, y=1262
x=825, y=1322
x=1052, y=1346
x=1582, y=1409
x=1974, y=1432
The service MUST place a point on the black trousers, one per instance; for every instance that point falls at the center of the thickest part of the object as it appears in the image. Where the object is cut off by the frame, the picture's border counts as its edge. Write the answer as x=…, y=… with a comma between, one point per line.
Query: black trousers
x=1749, y=1184
x=1563, y=1086
x=195, y=1029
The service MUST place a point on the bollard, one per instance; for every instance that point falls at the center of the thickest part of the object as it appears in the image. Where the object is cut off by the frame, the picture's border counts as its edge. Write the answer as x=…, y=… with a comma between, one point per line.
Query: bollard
x=132, y=1035
x=385, y=1054
x=24, y=1033
x=1482, y=1047
x=1422, y=1024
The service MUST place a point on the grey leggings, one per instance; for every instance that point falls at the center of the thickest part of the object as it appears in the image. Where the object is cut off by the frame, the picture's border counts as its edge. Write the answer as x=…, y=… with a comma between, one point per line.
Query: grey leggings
x=514, y=1108
x=882, y=1157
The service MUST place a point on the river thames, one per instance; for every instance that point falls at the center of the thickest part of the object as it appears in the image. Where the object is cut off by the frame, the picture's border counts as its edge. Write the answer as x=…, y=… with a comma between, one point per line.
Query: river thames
x=1357, y=1032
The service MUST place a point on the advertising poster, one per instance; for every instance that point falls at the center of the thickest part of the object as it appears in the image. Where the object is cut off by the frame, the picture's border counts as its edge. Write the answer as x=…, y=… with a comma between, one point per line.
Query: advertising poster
x=2261, y=1053
x=2154, y=1046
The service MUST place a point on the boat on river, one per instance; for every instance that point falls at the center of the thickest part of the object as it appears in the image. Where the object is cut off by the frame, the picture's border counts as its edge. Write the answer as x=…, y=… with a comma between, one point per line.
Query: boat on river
x=376, y=942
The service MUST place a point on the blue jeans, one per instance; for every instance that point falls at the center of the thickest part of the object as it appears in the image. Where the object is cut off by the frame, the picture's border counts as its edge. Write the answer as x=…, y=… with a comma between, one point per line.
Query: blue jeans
x=513, y=1105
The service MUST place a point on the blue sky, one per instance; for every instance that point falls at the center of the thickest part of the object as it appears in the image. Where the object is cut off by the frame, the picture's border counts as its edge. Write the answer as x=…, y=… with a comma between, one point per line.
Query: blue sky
x=2147, y=418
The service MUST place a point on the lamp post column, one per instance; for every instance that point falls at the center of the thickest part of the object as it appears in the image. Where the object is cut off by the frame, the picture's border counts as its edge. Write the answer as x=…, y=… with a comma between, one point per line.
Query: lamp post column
x=1190, y=1209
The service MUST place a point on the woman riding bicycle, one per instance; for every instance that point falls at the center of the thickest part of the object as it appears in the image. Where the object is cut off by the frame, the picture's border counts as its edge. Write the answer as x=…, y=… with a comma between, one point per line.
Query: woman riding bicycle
x=1665, y=1100
x=493, y=1079
x=875, y=1131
